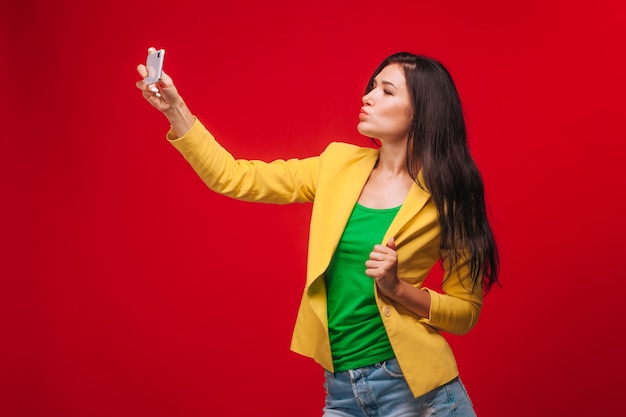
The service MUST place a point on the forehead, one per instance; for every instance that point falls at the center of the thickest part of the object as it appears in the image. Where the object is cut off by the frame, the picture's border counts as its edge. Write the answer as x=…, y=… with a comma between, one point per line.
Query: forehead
x=393, y=73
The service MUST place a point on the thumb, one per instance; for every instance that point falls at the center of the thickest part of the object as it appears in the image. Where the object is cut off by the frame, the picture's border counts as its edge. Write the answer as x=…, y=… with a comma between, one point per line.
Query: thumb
x=391, y=244
x=166, y=80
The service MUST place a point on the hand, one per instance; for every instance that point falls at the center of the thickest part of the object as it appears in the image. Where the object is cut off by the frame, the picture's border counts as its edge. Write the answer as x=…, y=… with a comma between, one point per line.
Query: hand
x=162, y=95
x=383, y=267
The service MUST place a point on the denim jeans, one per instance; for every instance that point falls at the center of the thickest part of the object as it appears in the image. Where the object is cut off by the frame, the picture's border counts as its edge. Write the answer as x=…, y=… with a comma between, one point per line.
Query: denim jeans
x=380, y=390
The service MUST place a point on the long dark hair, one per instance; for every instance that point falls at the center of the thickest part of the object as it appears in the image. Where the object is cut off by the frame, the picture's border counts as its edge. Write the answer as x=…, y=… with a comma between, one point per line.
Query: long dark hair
x=438, y=141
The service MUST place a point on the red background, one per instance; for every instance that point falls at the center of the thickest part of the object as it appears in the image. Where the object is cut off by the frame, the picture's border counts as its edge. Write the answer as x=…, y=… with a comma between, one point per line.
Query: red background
x=129, y=289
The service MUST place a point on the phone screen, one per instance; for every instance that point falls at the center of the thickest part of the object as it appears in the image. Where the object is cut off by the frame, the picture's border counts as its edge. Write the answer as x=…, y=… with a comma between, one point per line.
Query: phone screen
x=154, y=65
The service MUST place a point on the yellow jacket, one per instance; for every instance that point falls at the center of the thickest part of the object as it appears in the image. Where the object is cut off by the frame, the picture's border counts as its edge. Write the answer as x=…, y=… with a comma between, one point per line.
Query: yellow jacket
x=333, y=182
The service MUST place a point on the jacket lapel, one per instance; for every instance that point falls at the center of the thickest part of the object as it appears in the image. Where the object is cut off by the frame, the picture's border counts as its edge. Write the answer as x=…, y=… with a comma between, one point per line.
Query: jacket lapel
x=416, y=199
x=344, y=198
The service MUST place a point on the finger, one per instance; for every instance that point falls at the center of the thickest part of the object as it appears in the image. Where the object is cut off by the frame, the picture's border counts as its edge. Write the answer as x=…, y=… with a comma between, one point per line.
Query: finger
x=370, y=272
x=391, y=244
x=376, y=256
x=383, y=249
x=151, y=49
x=142, y=70
x=141, y=85
x=166, y=80
x=146, y=90
x=379, y=248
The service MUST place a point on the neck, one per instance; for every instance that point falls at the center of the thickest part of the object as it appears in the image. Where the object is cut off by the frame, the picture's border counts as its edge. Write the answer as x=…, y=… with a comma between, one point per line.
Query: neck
x=392, y=160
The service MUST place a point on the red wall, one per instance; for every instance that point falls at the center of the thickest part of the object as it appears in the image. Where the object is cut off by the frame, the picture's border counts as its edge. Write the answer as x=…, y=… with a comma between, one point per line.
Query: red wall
x=129, y=289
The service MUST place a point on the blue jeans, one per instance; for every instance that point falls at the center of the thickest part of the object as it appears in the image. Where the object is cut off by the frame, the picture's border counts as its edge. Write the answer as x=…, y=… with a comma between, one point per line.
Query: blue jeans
x=381, y=391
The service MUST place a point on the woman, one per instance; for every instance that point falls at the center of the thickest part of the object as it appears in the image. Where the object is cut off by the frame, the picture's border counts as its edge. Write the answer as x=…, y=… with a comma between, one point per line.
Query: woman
x=381, y=219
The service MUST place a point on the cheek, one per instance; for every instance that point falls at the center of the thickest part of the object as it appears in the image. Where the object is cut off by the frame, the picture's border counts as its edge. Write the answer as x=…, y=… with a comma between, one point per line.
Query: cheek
x=403, y=117
x=408, y=116
x=403, y=122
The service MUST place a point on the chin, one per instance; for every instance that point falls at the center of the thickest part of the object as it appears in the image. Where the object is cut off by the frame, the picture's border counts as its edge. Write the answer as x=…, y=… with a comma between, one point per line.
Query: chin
x=364, y=131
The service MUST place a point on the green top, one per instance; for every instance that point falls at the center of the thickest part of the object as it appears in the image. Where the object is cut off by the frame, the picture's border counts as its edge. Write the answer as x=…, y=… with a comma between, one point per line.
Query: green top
x=357, y=334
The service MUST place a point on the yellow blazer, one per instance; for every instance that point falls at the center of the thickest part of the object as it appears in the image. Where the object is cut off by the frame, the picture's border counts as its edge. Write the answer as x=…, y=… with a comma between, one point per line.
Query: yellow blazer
x=333, y=182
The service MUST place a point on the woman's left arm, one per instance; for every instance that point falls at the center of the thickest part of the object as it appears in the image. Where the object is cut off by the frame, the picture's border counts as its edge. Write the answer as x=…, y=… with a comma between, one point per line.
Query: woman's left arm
x=382, y=266
x=456, y=311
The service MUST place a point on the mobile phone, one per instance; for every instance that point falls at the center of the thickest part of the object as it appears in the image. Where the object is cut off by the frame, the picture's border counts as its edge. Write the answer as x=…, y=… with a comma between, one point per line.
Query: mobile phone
x=154, y=65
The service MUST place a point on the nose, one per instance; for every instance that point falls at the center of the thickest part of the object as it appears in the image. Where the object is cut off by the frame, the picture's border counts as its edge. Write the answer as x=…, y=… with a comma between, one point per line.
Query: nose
x=367, y=99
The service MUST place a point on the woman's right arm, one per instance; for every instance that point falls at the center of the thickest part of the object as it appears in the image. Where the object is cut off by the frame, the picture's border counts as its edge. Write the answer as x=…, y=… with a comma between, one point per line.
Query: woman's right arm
x=164, y=97
x=278, y=182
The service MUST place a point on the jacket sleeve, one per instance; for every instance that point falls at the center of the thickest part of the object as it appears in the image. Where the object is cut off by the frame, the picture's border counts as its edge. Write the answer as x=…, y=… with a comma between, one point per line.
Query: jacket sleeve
x=456, y=310
x=277, y=182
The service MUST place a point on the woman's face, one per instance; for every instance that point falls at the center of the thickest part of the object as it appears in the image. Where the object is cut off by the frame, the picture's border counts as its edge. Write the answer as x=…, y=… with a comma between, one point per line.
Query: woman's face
x=386, y=113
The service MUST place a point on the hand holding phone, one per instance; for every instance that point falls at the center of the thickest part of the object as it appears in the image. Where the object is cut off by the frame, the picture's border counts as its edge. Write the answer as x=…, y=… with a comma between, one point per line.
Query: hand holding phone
x=154, y=66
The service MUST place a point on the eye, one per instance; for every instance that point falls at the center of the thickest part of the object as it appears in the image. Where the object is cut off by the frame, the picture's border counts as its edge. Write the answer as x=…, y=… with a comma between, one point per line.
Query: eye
x=387, y=92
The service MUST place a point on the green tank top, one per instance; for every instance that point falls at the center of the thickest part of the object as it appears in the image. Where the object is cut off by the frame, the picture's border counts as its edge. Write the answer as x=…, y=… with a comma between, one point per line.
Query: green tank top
x=356, y=331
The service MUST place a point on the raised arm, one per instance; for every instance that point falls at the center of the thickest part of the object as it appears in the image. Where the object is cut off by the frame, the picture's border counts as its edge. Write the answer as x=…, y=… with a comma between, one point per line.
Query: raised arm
x=278, y=182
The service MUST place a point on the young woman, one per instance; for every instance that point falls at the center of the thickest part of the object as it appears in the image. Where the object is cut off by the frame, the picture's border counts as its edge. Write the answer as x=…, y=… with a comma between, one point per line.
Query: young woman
x=382, y=217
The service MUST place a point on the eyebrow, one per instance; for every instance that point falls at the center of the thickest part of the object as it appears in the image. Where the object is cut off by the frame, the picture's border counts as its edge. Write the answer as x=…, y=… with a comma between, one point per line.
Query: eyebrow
x=389, y=83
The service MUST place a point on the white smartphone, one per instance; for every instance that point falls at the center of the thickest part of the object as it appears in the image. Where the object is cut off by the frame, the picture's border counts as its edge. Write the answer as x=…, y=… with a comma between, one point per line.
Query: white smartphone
x=154, y=65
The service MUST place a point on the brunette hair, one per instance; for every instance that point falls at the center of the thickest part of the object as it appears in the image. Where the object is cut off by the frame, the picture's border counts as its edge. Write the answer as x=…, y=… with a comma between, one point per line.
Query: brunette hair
x=438, y=141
